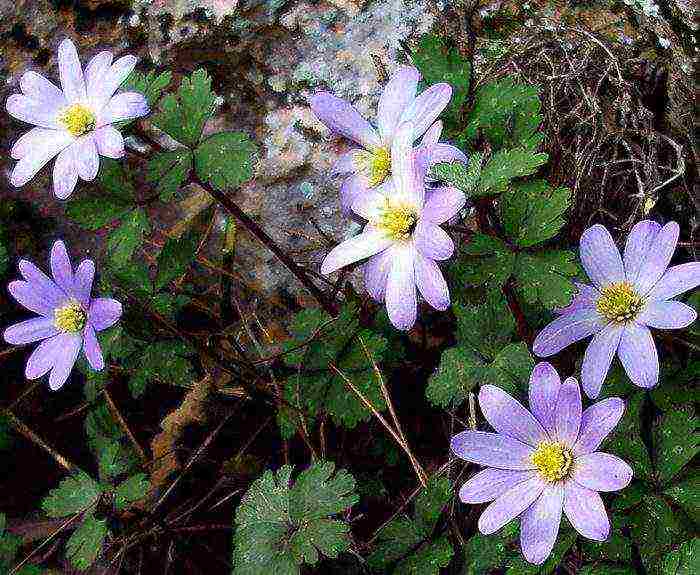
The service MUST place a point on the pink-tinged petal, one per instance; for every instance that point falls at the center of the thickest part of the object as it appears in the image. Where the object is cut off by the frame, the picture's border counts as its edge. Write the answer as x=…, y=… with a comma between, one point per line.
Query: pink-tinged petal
x=431, y=283
x=396, y=97
x=64, y=360
x=370, y=242
x=39, y=89
x=432, y=136
x=345, y=164
x=597, y=422
x=567, y=329
x=426, y=108
x=676, y=280
x=658, y=257
x=30, y=296
x=511, y=504
x=432, y=241
x=343, y=119
x=568, y=412
x=123, y=106
x=442, y=204
x=70, y=72
x=43, y=285
x=598, y=357
x=95, y=73
x=600, y=257
x=544, y=394
x=29, y=142
x=508, y=416
x=92, y=350
x=586, y=297
x=601, y=472
x=43, y=357
x=639, y=242
x=65, y=172
x=376, y=273
x=667, y=315
x=539, y=525
x=403, y=167
x=61, y=267
x=82, y=281
x=401, y=300
x=101, y=89
x=638, y=355
x=445, y=153
x=491, y=483
x=109, y=141
x=370, y=203
x=86, y=158
x=585, y=510
x=492, y=450
x=34, y=329
x=38, y=112
x=104, y=312
x=354, y=188
x=52, y=142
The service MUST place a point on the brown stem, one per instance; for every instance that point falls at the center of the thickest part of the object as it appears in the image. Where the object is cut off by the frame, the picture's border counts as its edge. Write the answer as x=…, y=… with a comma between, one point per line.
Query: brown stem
x=122, y=422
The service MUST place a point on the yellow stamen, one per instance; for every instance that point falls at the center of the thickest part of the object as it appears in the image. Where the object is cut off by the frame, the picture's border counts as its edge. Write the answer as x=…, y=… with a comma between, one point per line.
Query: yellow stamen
x=78, y=119
x=70, y=318
x=553, y=461
x=375, y=164
x=619, y=302
x=397, y=221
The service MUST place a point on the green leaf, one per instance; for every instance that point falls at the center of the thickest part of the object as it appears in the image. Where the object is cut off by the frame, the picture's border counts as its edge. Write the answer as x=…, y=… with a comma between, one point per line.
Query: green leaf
x=429, y=559
x=484, y=553
x=150, y=84
x=73, y=495
x=164, y=361
x=103, y=431
x=131, y=490
x=626, y=440
x=546, y=277
x=683, y=561
x=168, y=304
x=5, y=433
x=517, y=565
x=280, y=526
x=454, y=378
x=225, y=160
x=656, y=530
x=485, y=327
x=617, y=548
x=458, y=175
x=183, y=116
x=175, y=257
x=676, y=442
x=168, y=171
x=4, y=258
x=3, y=522
x=511, y=369
x=85, y=544
x=485, y=261
x=606, y=570
x=112, y=460
x=506, y=165
x=123, y=241
x=430, y=504
x=686, y=493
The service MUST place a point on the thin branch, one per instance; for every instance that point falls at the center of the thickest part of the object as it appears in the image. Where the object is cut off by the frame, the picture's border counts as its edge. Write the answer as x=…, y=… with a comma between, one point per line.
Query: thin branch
x=122, y=422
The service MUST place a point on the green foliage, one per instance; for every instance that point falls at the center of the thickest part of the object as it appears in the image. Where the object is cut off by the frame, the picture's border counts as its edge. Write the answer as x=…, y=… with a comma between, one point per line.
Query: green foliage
x=85, y=544
x=485, y=261
x=546, y=277
x=483, y=553
x=168, y=171
x=74, y=494
x=657, y=530
x=450, y=384
x=107, y=440
x=517, y=565
x=225, y=160
x=506, y=165
x=131, y=490
x=280, y=525
x=429, y=559
x=112, y=460
x=683, y=561
x=149, y=84
x=626, y=440
x=175, y=257
x=676, y=442
x=485, y=327
x=686, y=494
x=124, y=240
x=616, y=549
x=164, y=361
x=184, y=114
x=458, y=175
x=4, y=258
x=5, y=433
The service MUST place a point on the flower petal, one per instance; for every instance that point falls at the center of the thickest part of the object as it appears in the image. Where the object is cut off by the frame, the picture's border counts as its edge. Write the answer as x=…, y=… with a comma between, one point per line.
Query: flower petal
x=104, y=312
x=343, y=119
x=370, y=242
x=586, y=297
x=492, y=450
x=675, y=281
x=658, y=257
x=354, y=188
x=508, y=416
x=64, y=360
x=65, y=172
x=638, y=355
x=44, y=146
x=95, y=73
x=376, y=273
x=426, y=108
x=567, y=329
x=432, y=136
x=442, y=204
x=109, y=141
x=539, y=525
x=70, y=72
x=601, y=472
x=32, y=297
x=598, y=357
x=445, y=153
x=511, y=504
x=432, y=241
x=544, y=393
x=42, y=113
x=409, y=188
x=39, y=89
x=396, y=97
x=101, y=89
x=87, y=160
x=401, y=301
x=568, y=414
x=431, y=283
x=667, y=315
x=639, y=242
x=30, y=141
x=82, y=281
x=61, y=267
x=585, y=510
x=345, y=164
x=600, y=257
x=491, y=483
x=34, y=329
x=42, y=284
x=370, y=203
x=43, y=357
x=597, y=422
x=91, y=349
x=123, y=106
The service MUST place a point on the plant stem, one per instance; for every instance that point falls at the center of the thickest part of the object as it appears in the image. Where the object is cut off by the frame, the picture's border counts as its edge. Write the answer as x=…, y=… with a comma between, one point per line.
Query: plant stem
x=122, y=422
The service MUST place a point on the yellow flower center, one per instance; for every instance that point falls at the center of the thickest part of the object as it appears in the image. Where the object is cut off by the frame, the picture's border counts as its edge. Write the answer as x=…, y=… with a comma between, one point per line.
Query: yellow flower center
x=398, y=221
x=553, y=460
x=375, y=164
x=78, y=119
x=619, y=302
x=70, y=318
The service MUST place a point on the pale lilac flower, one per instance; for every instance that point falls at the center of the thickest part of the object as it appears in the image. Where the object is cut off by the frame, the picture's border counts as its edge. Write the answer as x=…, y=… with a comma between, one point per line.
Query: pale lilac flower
x=402, y=238
x=68, y=316
x=73, y=123
x=629, y=295
x=542, y=463
x=370, y=165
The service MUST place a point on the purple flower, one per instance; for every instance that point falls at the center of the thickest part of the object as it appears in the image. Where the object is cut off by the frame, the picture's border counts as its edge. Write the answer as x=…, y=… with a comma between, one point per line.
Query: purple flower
x=74, y=123
x=540, y=463
x=370, y=165
x=402, y=238
x=68, y=316
x=628, y=296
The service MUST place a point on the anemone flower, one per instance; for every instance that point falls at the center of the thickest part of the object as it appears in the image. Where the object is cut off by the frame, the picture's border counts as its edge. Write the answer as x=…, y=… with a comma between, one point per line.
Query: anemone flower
x=543, y=462
x=68, y=316
x=73, y=123
x=403, y=237
x=370, y=165
x=628, y=296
